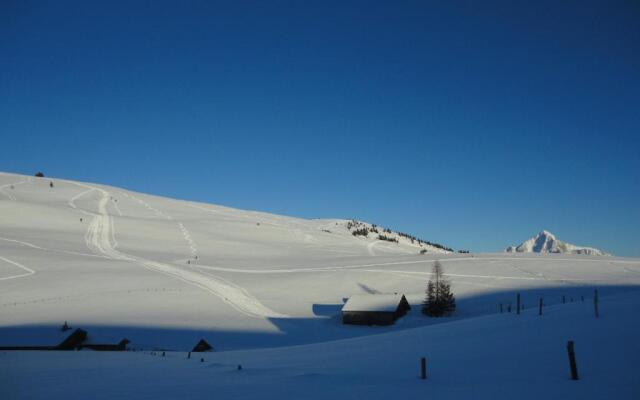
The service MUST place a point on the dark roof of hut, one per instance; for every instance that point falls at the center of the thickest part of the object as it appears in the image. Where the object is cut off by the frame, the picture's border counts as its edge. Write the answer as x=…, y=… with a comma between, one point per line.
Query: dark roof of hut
x=202, y=346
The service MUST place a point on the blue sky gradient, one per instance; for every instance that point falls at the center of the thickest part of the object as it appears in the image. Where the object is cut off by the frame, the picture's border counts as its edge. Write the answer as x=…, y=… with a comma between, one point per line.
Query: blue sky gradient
x=468, y=124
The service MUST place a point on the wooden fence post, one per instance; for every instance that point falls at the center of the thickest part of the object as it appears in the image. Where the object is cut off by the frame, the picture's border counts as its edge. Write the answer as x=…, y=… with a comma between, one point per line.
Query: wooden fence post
x=572, y=360
x=540, y=307
x=518, y=303
x=423, y=368
x=595, y=303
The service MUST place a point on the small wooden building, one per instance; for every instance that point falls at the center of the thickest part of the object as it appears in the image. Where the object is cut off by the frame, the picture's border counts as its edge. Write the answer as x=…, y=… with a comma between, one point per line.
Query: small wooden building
x=374, y=309
x=74, y=340
x=120, y=346
x=202, y=346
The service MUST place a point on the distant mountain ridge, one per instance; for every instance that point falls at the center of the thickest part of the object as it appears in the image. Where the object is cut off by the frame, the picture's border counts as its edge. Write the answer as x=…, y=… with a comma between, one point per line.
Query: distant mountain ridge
x=546, y=242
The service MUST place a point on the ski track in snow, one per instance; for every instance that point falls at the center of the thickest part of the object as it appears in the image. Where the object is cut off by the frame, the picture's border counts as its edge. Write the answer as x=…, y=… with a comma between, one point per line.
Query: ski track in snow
x=193, y=249
x=72, y=201
x=155, y=211
x=370, y=247
x=17, y=264
x=417, y=273
x=631, y=271
x=187, y=238
x=546, y=278
x=13, y=184
x=117, y=208
x=413, y=275
x=99, y=238
x=75, y=253
x=290, y=226
x=363, y=267
x=203, y=208
x=85, y=296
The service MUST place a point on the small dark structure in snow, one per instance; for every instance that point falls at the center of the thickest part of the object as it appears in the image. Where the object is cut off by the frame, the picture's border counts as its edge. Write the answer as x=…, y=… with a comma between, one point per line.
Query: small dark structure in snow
x=121, y=346
x=74, y=340
x=202, y=346
x=374, y=309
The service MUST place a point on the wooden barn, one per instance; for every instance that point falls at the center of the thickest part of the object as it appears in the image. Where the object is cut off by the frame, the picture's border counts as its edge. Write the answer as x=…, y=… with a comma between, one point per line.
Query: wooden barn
x=202, y=346
x=120, y=346
x=72, y=342
x=374, y=309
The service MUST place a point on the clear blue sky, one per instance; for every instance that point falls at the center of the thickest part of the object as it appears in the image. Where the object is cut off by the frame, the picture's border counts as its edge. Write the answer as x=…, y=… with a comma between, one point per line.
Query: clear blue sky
x=464, y=123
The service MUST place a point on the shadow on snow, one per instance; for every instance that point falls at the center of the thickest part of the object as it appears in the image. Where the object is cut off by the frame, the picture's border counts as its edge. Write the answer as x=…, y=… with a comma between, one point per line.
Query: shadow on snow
x=325, y=326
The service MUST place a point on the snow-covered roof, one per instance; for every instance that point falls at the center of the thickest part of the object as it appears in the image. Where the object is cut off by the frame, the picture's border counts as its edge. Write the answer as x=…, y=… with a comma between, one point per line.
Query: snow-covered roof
x=373, y=302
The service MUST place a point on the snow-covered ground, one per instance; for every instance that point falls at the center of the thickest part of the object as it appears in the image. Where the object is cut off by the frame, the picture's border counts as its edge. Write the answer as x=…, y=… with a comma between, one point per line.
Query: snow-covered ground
x=502, y=356
x=165, y=273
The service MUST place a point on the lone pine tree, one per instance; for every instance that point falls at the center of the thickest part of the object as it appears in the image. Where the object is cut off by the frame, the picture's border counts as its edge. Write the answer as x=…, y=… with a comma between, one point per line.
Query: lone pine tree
x=439, y=301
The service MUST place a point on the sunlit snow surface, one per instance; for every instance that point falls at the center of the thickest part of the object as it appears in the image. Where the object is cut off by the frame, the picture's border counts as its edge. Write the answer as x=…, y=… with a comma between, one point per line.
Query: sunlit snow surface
x=165, y=273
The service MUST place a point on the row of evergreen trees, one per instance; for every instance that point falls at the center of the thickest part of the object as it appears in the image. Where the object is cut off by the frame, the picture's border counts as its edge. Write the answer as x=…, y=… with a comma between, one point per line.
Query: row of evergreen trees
x=413, y=239
x=361, y=229
x=387, y=238
x=360, y=232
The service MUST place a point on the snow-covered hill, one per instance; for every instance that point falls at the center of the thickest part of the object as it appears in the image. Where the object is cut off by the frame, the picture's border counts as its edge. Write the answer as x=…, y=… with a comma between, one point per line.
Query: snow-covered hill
x=497, y=357
x=546, y=242
x=165, y=273
x=94, y=254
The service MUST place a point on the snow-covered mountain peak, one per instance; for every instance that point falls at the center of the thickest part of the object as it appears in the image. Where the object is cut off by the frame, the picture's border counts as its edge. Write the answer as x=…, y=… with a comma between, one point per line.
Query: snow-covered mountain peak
x=546, y=242
x=545, y=232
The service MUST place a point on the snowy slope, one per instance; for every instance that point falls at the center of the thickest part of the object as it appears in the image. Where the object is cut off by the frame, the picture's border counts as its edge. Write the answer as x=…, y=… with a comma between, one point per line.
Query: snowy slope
x=502, y=356
x=165, y=273
x=266, y=292
x=546, y=242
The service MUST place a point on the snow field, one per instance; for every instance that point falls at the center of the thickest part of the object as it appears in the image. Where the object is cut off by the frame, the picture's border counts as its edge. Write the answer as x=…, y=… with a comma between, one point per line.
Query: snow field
x=266, y=291
x=491, y=357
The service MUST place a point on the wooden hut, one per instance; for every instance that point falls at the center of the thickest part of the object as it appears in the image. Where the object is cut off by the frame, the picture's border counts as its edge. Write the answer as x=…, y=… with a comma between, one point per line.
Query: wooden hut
x=374, y=309
x=120, y=346
x=202, y=346
x=74, y=340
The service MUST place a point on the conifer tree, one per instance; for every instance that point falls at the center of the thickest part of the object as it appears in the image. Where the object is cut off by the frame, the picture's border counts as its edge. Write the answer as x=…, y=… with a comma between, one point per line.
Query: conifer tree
x=439, y=301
